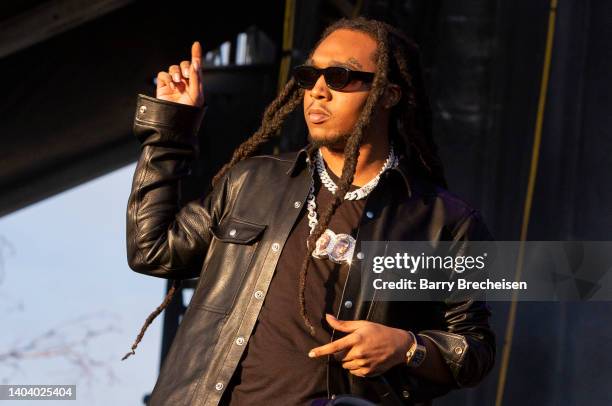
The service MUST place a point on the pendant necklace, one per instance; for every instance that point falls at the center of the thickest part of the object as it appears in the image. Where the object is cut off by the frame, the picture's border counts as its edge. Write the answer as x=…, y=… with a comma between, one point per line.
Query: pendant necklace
x=338, y=248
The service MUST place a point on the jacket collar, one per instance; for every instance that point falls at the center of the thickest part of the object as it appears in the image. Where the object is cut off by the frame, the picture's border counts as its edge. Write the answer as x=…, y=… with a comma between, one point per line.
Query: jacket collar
x=299, y=163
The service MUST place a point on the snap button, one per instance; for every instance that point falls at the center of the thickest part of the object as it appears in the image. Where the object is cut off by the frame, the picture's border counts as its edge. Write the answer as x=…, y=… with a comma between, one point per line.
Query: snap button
x=360, y=255
x=275, y=247
x=405, y=394
x=369, y=214
x=142, y=109
x=259, y=294
x=348, y=304
x=233, y=232
x=297, y=205
x=219, y=385
x=240, y=340
x=458, y=350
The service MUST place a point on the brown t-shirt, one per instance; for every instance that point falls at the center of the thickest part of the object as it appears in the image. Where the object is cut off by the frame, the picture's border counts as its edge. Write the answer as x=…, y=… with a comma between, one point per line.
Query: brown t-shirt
x=275, y=368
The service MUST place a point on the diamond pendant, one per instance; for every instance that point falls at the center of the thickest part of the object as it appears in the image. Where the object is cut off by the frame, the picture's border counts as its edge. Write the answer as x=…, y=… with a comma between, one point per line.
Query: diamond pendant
x=338, y=248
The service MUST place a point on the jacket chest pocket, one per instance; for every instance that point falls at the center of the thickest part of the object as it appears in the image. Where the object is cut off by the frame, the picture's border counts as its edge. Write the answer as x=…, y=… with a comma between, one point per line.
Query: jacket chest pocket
x=231, y=253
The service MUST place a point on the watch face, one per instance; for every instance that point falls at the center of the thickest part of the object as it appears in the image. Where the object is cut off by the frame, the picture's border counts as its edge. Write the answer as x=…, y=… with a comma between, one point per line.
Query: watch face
x=416, y=356
x=419, y=356
x=417, y=352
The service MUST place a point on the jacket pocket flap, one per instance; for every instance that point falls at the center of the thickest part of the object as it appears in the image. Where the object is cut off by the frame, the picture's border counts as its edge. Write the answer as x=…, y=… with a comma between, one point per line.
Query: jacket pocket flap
x=237, y=231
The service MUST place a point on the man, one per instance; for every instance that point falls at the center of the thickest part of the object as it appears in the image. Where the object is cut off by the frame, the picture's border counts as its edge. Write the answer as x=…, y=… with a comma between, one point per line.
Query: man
x=369, y=172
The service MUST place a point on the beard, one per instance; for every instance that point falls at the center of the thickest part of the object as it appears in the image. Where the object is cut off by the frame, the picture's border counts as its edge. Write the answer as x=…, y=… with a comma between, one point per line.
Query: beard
x=335, y=143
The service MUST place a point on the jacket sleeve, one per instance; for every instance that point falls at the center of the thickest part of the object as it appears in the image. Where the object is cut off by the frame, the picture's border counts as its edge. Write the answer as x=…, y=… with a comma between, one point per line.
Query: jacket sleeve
x=164, y=240
x=468, y=343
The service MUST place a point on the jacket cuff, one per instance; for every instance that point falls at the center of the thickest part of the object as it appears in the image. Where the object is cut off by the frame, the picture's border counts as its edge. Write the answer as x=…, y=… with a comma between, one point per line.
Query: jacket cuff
x=171, y=121
x=453, y=349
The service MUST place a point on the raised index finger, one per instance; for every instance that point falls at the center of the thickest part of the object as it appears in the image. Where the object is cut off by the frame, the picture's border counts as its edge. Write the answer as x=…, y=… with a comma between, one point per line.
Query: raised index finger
x=195, y=84
x=196, y=53
x=333, y=347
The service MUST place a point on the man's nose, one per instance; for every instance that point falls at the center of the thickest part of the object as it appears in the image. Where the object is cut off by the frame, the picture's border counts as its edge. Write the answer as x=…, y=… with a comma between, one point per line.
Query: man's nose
x=320, y=89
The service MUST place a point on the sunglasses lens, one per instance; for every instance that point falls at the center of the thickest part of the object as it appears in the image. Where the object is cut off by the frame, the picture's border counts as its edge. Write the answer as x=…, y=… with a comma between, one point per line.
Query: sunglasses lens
x=306, y=76
x=336, y=77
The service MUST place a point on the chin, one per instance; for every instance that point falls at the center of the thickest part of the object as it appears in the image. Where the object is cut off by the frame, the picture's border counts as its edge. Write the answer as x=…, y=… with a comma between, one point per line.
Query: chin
x=334, y=141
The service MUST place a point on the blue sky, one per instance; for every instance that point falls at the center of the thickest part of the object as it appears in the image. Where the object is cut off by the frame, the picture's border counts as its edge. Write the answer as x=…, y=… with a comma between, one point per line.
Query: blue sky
x=64, y=273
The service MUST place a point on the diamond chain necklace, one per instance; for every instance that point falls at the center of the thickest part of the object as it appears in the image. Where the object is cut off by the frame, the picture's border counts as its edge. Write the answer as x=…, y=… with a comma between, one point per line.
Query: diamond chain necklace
x=338, y=247
x=363, y=191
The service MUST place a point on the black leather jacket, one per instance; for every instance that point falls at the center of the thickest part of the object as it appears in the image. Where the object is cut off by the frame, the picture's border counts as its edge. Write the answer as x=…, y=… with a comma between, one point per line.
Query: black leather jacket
x=261, y=198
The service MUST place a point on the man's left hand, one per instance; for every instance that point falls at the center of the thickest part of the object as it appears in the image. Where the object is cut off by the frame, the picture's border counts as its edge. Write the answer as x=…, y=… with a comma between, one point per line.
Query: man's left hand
x=369, y=349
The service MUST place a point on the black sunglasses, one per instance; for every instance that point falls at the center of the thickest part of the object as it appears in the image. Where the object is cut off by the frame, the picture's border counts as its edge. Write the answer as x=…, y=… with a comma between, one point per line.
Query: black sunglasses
x=336, y=77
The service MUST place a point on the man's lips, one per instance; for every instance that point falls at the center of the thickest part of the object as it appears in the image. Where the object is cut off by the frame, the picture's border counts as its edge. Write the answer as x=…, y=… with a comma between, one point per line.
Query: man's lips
x=317, y=116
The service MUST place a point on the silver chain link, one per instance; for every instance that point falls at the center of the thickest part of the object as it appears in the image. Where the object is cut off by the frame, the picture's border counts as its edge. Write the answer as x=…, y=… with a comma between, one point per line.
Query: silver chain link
x=361, y=193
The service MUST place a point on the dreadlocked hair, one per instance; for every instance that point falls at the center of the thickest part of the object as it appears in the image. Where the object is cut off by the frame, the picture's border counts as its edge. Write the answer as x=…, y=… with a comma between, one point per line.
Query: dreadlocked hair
x=351, y=154
x=175, y=286
x=397, y=61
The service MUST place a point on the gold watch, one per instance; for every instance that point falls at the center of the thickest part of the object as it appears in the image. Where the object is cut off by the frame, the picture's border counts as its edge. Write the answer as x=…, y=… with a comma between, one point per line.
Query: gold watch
x=417, y=352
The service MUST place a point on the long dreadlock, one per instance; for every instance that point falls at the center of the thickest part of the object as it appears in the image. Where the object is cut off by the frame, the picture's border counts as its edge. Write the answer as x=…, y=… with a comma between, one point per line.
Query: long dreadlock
x=397, y=61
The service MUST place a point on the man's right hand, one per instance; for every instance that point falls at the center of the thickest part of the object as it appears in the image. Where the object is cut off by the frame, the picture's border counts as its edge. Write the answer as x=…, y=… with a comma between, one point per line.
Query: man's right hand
x=182, y=83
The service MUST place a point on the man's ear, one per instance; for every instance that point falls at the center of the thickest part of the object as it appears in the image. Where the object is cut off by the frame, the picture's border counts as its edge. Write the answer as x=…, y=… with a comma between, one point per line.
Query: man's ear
x=392, y=95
